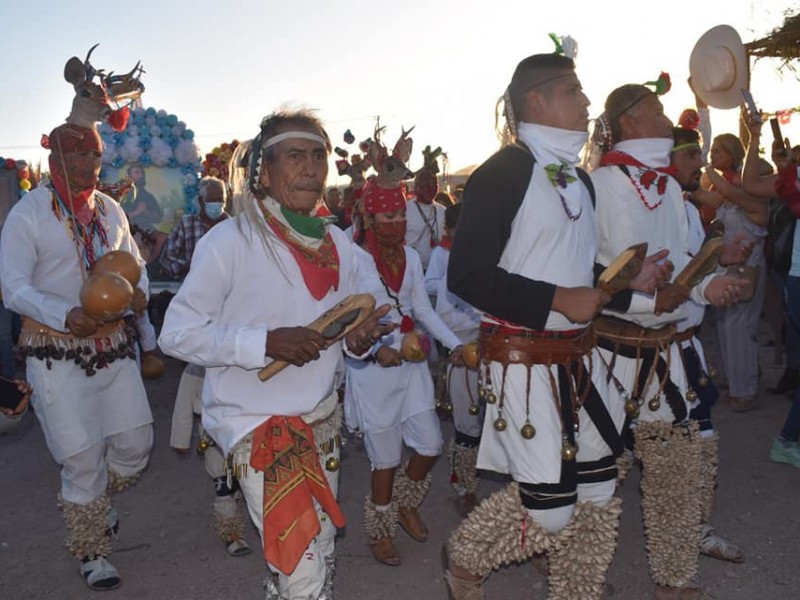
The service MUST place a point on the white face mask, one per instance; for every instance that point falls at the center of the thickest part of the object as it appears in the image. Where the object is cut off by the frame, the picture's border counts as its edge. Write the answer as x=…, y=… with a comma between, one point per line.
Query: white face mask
x=213, y=210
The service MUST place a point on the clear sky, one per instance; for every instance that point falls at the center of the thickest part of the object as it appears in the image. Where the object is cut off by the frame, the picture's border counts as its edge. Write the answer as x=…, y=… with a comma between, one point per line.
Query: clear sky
x=436, y=64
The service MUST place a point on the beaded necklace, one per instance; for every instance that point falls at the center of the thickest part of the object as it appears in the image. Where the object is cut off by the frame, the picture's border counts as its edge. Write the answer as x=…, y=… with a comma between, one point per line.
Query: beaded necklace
x=560, y=179
x=91, y=239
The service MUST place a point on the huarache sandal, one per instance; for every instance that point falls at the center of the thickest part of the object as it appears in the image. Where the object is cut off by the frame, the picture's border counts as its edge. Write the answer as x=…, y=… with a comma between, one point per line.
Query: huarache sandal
x=99, y=574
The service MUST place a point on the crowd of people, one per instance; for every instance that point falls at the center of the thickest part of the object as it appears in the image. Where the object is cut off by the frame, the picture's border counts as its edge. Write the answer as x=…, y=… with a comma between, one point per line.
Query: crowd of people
x=569, y=351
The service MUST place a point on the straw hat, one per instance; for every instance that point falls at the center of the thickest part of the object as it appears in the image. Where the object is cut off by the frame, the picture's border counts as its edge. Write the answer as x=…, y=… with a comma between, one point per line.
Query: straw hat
x=718, y=67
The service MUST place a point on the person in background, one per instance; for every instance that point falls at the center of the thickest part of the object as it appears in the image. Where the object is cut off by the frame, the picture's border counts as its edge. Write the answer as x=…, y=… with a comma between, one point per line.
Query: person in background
x=10, y=418
x=391, y=399
x=145, y=211
x=686, y=160
x=425, y=217
x=786, y=447
x=462, y=381
x=742, y=215
x=212, y=200
x=444, y=199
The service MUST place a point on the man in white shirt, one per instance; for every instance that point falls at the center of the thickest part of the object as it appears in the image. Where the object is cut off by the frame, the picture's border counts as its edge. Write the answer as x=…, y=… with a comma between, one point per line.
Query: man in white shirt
x=425, y=217
x=274, y=269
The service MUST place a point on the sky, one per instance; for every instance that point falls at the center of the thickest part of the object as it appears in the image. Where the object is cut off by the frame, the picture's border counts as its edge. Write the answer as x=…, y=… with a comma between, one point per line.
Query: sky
x=438, y=65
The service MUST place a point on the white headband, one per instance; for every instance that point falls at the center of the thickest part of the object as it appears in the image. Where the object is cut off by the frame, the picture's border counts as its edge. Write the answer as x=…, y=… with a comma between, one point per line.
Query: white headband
x=303, y=135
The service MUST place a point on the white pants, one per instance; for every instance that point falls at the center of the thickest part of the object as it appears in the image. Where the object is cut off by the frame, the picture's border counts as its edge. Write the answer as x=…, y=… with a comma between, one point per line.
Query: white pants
x=84, y=476
x=308, y=578
x=420, y=432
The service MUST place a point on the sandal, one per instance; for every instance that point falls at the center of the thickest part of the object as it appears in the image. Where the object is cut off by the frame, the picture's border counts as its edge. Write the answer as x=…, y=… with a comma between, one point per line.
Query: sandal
x=238, y=547
x=718, y=547
x=99, y=574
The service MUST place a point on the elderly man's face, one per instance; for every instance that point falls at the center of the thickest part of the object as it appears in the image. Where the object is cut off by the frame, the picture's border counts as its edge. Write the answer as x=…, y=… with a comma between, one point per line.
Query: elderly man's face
x=295, y=177
x=646, y=119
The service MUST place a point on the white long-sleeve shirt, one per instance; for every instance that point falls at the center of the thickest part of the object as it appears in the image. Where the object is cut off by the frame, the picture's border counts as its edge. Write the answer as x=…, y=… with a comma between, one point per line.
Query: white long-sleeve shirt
x=234, y=294
x=40, y=271
x=462, y=319
x=424, y=221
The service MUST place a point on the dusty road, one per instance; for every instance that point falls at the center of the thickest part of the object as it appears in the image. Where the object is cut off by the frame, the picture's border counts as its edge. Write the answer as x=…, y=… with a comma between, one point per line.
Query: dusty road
x=167, y=548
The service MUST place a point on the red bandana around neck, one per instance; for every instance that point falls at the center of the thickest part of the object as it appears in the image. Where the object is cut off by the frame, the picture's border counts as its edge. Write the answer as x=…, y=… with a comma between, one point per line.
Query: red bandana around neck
x=320, y=267
x=385, y=242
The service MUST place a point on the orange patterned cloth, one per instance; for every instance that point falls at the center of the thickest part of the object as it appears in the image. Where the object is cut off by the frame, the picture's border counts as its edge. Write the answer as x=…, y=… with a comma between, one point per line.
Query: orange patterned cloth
x=284, y=449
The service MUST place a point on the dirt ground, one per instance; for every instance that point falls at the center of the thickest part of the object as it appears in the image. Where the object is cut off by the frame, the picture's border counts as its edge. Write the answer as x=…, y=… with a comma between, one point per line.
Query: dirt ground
x=167, y=548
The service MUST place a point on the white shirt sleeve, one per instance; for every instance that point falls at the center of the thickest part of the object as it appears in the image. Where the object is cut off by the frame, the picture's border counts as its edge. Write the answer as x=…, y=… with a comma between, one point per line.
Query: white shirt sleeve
x=192, y=330
x=421, y=305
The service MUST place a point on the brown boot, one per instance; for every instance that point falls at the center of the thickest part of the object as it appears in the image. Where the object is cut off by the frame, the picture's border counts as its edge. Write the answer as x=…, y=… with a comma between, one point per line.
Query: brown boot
x=744, y=403
x=384, y=552
x=412, y=523
x=380, y=526
x=461, y=584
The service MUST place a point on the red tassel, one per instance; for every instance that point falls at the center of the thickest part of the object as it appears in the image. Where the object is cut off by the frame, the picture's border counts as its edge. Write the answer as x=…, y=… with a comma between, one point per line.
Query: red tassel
x=119, y=119
x=689, y=119
x=45, y=141
x=407, y=324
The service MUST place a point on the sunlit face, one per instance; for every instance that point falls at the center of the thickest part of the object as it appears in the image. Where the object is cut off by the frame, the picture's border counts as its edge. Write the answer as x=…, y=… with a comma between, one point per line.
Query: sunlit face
x=295, y=177
x=562, y=105
x=82, y=168
x=720, y=158
x=646, y=119
x=688, y=164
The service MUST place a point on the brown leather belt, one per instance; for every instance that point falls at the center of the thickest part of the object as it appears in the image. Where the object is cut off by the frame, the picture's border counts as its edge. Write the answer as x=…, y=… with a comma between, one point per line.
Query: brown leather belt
x=528, y=349
x=685, y=336
x=631, y=334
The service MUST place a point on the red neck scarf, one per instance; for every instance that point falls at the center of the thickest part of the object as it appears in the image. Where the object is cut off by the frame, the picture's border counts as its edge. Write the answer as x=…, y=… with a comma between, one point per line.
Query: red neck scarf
x=320, y=267
x=385, y=242
x=446, y=242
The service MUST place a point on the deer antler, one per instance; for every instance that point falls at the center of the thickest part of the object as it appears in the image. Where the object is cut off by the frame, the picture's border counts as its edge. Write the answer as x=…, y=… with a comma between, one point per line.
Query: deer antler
x=402, y=149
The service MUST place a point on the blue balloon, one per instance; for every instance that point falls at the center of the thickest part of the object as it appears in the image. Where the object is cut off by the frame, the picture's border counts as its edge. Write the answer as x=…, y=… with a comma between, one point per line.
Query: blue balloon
x=150, y=112
x=188, y=134
x=172, y=120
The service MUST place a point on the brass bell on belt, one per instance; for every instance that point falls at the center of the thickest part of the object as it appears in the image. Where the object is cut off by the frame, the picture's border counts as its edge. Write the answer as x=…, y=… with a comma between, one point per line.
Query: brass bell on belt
x=703, y=380
x=447, y=407
x=439, y=405
x=527, y=431
x=500, y=424
x=712, y=372
x=332, y=464
x=202, y=446
x=654, y=404
x=481, y=391
x=568, y=451
x=691, y=395
x=474, y=409
x=491, y=398
x=631, y=407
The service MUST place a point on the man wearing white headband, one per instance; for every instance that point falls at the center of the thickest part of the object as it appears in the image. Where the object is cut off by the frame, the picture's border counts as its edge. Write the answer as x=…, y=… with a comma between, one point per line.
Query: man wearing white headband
x=254, y=282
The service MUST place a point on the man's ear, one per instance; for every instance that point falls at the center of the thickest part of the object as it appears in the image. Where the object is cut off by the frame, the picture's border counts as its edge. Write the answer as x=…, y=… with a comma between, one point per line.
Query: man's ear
x=533, y=102
x=263, y=177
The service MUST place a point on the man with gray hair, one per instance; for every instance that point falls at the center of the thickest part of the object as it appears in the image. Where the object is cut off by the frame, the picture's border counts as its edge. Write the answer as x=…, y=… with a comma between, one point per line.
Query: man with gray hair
x=276, y=268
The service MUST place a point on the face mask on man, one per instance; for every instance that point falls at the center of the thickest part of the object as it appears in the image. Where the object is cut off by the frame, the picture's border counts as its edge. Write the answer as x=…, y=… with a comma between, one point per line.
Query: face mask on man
x=214, y=210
